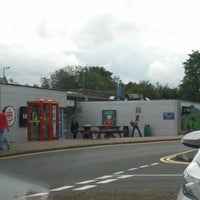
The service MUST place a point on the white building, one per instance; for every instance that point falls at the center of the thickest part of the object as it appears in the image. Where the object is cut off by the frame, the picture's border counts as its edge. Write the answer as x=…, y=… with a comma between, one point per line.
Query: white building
x=165, y=117
x=16, y=97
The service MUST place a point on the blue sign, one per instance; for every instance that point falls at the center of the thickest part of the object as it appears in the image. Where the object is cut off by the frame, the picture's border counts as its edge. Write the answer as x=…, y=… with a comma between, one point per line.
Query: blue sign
x=119, y=91
x=60, y=128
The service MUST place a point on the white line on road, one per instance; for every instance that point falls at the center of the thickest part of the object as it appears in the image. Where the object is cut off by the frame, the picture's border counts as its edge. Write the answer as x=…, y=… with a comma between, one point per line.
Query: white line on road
x=107, y=181
x=38, y=194
x=109, y=178
x=119, y=173
x=86, y=182
x=153, y=164
x=132, y=169
x=144, y=166
x=104, y=177
x=62, y=188
x=125, y=176
x=158, y=175
x=85, y=187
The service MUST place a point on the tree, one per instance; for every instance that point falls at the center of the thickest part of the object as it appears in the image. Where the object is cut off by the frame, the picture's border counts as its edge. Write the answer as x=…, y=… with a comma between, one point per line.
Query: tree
x=97, y=78
x=65, y=78
x=76, y=77
x=164, y=92
x=46, y=83
x=190, y=87
x=143, y=87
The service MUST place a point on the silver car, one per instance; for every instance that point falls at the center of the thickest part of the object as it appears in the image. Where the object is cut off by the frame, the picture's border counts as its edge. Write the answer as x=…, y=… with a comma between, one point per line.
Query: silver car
x=191, y=186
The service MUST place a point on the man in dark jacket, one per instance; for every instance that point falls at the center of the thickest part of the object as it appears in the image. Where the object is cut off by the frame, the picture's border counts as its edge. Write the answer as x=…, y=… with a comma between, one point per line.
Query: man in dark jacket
x=74, y=127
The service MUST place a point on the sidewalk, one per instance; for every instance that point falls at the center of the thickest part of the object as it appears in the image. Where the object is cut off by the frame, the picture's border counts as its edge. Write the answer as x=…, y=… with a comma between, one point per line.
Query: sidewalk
x=20, y=148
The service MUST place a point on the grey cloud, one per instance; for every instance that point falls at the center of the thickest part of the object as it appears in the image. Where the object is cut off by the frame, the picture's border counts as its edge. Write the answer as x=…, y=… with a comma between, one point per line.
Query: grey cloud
x=126, y=26
x=97, y=31
x=42, y=30
x=24, y=68
x=125, y=60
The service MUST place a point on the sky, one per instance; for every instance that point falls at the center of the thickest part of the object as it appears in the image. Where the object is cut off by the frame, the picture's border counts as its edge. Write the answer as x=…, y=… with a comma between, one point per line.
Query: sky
x=136, y=40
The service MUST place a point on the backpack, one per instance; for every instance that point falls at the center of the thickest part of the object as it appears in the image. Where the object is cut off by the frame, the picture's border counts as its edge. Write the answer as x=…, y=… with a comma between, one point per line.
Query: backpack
x=132, y=123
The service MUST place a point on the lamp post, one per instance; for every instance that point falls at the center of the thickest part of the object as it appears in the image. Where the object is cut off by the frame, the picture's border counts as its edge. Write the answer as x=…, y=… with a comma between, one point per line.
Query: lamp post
x=4, y=71
x=83, y=80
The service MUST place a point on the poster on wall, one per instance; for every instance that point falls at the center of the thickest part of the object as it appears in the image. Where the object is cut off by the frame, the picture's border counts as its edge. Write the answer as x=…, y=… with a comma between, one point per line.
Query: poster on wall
x=190, y=117
x=168, y=115
x=10, y=113
x=109, y=114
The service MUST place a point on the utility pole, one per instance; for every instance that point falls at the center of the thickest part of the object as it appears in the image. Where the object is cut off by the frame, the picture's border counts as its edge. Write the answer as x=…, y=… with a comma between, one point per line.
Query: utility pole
x=4, y=71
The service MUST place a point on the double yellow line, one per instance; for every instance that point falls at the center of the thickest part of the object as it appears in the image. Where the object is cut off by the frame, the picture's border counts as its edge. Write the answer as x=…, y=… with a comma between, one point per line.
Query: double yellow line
x=171, y=158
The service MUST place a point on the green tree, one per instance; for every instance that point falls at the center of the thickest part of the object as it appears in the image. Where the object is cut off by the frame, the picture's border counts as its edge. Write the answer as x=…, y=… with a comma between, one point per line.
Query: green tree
x=164, y=92
x=65, y=78
x=190, y=86
x=97, y=78
x=143, y=87
x=46, y=82
x=76, y=77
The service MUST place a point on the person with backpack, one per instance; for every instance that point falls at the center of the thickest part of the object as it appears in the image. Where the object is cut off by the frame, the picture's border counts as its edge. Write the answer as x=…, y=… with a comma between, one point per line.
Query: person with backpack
x=135, y=124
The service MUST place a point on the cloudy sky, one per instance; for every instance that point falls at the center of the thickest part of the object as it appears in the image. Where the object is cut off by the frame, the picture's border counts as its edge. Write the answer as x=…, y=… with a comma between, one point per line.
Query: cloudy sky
x=134, y=39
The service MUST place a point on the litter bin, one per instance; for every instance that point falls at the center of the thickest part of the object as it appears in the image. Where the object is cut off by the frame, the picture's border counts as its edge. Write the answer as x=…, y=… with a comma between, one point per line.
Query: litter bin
x=147, y=130
x=126, y=131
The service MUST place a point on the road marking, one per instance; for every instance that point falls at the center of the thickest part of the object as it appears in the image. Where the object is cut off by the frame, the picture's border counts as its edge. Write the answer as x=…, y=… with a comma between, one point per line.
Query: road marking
x=107, y=181
x=85, y=187
x=119, y=173
x=158, y=175
x=104, y=177
x=144, y=166
x=86, y=182
x=38, y=194
x=169, y=159
x=62, y=188
x=133, y=169
x=153, y=164
x=124, y=176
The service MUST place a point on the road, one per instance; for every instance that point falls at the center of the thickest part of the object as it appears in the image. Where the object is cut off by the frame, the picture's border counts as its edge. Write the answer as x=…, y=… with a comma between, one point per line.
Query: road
x=122, y=167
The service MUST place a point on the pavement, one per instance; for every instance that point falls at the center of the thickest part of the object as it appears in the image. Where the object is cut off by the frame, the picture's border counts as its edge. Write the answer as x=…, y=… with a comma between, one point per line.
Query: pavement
x=21, y=148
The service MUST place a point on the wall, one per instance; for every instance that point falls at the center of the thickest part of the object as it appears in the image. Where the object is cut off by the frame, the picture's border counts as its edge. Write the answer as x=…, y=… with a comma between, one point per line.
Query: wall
x=17, y=96
x=151, y=112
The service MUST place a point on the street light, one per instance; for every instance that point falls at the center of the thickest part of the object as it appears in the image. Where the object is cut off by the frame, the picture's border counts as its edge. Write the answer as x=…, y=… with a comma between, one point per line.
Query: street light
x=4, y=71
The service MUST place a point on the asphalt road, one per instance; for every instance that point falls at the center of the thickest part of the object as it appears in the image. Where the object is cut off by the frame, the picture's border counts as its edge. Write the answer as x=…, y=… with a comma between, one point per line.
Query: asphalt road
x=107, y=168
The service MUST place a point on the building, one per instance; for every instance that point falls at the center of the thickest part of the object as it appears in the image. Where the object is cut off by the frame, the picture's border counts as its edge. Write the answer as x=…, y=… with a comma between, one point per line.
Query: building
x=16, y=97
x=165, y=117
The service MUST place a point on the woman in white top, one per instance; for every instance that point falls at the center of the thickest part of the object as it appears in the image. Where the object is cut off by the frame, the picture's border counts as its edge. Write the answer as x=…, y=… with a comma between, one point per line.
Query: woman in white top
x=135, y=126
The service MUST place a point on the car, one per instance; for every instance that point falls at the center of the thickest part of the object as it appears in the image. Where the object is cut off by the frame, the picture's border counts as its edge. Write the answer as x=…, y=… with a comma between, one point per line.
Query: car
x=190, y=188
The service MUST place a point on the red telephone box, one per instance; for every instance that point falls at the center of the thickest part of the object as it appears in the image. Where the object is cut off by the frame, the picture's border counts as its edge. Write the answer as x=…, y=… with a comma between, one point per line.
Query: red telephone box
x=42, y=118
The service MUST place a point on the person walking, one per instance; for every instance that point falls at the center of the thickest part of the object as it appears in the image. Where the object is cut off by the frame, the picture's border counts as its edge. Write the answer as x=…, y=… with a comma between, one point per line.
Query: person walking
x=74, y=127
x=135, y=126
x=4, y=130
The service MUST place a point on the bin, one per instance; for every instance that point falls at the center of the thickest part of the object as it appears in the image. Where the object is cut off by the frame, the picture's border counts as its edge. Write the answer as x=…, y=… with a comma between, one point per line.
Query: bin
x=147, y=130
x=126, y=131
